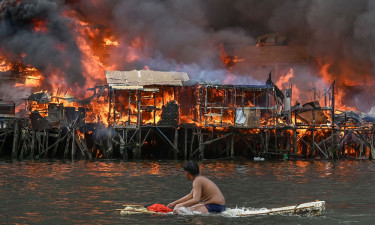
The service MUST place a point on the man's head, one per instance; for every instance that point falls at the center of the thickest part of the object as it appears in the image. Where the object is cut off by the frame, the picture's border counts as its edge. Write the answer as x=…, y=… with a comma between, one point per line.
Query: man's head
x=191, y=168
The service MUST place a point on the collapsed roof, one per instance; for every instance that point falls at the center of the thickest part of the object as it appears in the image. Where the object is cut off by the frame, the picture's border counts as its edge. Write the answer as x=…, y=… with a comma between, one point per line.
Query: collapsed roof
x=137, y=79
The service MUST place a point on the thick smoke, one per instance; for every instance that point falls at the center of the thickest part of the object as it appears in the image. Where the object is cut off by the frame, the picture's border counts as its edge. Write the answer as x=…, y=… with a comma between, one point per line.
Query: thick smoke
x=47, y=51
x=338, y=32
x=186, y=35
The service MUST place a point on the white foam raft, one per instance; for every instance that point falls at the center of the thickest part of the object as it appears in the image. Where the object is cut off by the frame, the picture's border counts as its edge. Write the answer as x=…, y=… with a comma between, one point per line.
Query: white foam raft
x=315, y=208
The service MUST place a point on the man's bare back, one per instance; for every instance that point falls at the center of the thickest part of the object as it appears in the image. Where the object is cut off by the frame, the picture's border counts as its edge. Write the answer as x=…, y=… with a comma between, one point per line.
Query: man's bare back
x=210, y=193
x=203, y=190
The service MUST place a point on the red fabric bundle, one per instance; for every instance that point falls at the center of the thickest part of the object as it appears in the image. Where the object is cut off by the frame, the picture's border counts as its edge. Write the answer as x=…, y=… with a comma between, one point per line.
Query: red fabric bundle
x=159, y=208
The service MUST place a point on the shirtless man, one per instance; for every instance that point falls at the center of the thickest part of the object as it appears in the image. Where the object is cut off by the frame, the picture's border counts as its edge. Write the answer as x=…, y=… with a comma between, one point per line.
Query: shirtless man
x=203, y=189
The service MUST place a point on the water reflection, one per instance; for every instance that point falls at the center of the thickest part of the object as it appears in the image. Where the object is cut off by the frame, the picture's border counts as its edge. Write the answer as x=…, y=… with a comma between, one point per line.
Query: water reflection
x=87, y=192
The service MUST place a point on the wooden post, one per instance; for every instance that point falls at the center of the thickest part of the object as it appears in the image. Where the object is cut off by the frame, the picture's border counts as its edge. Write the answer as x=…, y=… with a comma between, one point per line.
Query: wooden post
x=175, y=154
x=15, y=139
x=84, y=144
x=232, y=145
x=80, y=146
x=46, y=142
x=4, y=140
x=130, y=106
x=38, y=137
x=73, y=143
x=312, y=153
x=114, y=108
x=334, y=141
x=109, y=151
x=56, y=146
x=154, y=110
x=123, y=149
x=186, y=144
x=32, y=150
x=137, y=151
x=295, y=141
x=24, y=147
x=125, y=156
x=67, y=144
x=139, y=142
x=228, y=146
x=266, y=140
x=109, y=105
x=372, y=148
x=201, y=146
x=192, y=143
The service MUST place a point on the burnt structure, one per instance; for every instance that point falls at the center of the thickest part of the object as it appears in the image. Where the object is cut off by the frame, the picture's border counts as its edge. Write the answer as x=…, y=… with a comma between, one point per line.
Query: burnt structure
x=154, y=114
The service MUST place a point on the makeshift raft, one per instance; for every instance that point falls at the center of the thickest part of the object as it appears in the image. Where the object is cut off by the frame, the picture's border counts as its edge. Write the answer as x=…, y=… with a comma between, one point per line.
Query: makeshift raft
x=137, y=209
x=309, y=208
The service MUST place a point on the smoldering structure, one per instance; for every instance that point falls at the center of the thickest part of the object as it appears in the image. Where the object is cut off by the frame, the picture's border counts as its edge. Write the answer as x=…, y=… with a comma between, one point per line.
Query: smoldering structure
x=54, y=55
x=156, y=114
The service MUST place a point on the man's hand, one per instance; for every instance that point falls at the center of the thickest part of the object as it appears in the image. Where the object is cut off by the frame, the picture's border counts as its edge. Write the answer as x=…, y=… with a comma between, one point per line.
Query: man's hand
x=175, y=210
x=171, y=205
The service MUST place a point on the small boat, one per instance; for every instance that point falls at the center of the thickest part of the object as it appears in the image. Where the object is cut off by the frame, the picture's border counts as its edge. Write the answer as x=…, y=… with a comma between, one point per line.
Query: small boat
x=315, y=208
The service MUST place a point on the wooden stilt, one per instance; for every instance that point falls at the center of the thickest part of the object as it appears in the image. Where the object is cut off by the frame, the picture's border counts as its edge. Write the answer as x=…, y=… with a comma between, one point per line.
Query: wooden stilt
x=372, y=147
x=67, y=144
x=4, y=140
x=334, y=142
x=137, y=148
x=86, y=149
x=312, y=153
x=46, y=142
x=192, y=143
x=201, y=145
x=39, y=140
x=228, y=146
x=109, y=144
x=186, y=144
x=80, y=146
x=295, y=147
x=232, y=145
x=175, y=143
x=73, y=144
x=54, y=152
x=32, y=150
x=15, y=139
x=23, y=149
x=123, y=150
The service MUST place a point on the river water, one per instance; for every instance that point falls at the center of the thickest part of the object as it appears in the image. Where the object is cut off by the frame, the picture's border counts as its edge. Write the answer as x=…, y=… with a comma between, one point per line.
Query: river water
x=89, y=192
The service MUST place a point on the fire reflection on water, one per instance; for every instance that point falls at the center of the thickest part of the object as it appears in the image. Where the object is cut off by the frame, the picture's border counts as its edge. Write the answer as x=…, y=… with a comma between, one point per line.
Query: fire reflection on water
x=83, y=191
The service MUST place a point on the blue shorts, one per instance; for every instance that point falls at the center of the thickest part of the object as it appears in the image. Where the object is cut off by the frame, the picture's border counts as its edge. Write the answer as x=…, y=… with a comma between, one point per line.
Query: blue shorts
x=215, y=208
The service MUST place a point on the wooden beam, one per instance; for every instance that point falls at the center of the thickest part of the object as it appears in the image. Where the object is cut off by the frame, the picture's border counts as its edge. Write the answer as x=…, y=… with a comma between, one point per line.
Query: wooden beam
x=15, y=139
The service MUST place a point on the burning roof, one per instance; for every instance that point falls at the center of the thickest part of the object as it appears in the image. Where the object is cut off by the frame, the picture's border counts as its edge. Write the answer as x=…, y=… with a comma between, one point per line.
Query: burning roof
x=140, y=78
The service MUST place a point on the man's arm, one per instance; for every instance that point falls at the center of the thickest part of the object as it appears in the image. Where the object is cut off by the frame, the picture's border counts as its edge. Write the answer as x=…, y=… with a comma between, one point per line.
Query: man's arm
x=196, y=195
x=183, y=199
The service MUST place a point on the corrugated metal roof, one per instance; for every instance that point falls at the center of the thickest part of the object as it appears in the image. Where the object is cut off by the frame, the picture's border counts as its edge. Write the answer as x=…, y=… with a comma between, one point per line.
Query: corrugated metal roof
x=145, y=77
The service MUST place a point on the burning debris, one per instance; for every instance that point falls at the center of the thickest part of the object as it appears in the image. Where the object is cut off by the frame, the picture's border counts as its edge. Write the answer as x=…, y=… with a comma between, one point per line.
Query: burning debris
x=64, y=48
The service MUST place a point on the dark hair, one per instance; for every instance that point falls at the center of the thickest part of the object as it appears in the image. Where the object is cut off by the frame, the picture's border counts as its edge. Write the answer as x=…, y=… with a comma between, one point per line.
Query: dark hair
x=192, y=167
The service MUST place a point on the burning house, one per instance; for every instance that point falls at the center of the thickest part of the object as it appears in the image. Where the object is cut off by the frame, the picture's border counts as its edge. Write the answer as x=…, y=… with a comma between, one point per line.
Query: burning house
x=217, y=105
x=141, y=109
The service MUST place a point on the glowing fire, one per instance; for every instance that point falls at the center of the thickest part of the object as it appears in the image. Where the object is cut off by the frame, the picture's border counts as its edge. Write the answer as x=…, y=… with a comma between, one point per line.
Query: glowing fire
x=39, y=25
x=284, y=80
x=229, y=61
x=109, y=42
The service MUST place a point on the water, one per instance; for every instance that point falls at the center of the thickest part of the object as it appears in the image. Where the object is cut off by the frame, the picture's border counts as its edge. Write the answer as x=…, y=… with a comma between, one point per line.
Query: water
x=88, y=192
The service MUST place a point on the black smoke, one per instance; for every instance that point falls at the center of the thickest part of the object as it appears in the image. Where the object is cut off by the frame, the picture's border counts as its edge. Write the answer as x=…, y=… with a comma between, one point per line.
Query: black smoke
x=54, y=49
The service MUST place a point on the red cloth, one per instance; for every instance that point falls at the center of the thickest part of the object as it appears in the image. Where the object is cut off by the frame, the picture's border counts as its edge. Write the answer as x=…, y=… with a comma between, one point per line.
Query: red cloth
x=159, y=208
